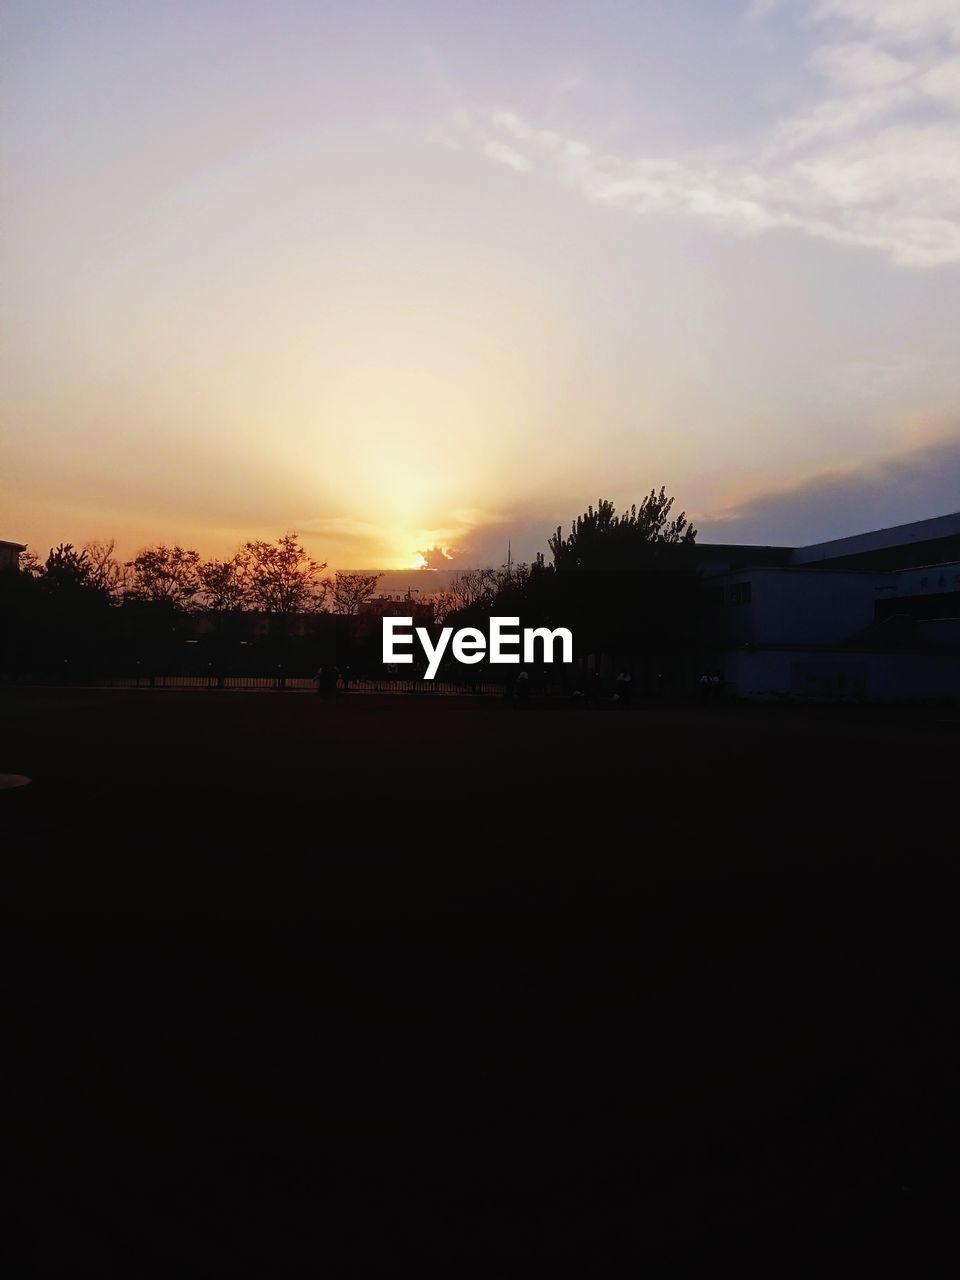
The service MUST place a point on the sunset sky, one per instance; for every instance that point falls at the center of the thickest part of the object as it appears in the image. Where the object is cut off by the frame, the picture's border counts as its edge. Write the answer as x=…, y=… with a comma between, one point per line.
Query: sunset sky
x=420, y=275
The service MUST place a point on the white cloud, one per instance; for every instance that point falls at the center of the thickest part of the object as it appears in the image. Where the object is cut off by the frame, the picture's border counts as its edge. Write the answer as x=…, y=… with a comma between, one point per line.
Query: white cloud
x=504, y=154
x=873, y=162
x=860, y=65
x=907, y=21
x=943, y=82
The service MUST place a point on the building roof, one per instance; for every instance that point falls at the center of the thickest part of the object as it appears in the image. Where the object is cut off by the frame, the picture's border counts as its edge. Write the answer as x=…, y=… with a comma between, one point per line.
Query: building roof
x=736, y=555
x=903, y=546
x=897, y=536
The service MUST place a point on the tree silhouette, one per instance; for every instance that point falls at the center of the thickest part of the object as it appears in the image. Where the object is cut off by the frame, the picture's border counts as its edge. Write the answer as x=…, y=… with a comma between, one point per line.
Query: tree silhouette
x=473, y=588
x=55, y=615
x=601, y=539
x=107, y=573
x=348, y=591
x=66, y=568
x=443, y=604
x=224, y=585
x=628, y=584
x=282, y=579
x=165, y=575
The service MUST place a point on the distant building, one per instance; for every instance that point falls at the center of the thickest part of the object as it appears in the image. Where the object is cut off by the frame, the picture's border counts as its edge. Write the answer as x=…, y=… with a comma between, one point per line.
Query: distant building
x=10, y=555
x=257, y=624
x=876, y=615
x=400, y=605
x=412, y=582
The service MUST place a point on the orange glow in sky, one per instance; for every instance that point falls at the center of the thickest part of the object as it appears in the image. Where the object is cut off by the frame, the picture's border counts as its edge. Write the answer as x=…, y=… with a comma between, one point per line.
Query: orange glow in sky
x=408, y=277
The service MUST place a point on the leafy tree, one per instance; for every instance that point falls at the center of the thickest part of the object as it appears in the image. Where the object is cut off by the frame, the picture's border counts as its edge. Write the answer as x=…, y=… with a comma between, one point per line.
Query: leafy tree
x=58, y=617
x=601, y=539
x=281, y=577
x=627, y=584
x=66, y=568
x=348, y=591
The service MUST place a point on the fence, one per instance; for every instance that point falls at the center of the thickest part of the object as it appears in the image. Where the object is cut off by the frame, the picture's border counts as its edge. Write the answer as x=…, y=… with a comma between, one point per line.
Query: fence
x=305, y=684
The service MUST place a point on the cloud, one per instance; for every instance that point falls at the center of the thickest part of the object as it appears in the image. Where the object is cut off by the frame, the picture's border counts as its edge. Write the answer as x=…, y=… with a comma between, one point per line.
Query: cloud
x=436, y=558
x=901, y=21
x=504, y=154
x=871, y=161
x=942, y=82
x=913, y=485
x=860, y=65
x=757, y=10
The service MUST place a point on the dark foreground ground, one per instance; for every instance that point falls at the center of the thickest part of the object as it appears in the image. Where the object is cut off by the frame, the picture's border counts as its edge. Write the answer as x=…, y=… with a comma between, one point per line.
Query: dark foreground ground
x=302, y=989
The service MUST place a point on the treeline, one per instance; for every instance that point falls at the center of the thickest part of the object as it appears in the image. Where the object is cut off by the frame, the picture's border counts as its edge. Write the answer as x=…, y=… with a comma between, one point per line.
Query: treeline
x=626, y=584
x=276, y=578
x=83, y=612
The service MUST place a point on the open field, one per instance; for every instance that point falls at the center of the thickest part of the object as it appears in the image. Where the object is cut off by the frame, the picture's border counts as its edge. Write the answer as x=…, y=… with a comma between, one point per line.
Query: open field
x=292, y=980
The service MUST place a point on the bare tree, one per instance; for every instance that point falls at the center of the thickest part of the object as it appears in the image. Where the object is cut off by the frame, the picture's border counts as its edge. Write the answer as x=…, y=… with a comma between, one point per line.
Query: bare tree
x=107, y=573
x=165, y=575
x=473, y=587
x=349, y=591
x=282, y=578
x=443, y=603
x=224, y=585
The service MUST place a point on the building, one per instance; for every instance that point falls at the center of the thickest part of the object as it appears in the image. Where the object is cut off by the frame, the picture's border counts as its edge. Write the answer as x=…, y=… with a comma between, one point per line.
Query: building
x=10, y=555
x=872, y=616
x=400, y=605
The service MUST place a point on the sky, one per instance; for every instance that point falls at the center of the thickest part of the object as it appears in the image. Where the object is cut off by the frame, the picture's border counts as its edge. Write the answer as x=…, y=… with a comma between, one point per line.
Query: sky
x=417, y=279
